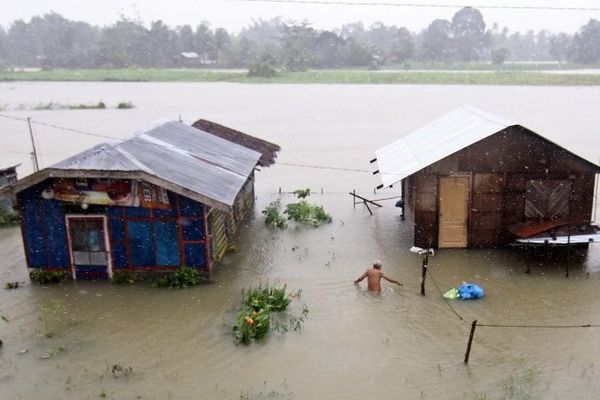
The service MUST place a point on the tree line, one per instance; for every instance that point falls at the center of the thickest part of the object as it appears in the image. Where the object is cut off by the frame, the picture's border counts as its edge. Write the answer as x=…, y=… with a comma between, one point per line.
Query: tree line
x=52, y=41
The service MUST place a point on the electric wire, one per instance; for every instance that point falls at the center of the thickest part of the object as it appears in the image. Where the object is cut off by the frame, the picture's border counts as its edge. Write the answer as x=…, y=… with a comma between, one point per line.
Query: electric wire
x=442, y=296
x=63, y=128
x=427, y=5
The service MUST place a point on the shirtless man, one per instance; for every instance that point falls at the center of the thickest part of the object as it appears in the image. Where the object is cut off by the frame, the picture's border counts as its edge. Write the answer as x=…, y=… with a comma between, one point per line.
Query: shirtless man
x=374, y=276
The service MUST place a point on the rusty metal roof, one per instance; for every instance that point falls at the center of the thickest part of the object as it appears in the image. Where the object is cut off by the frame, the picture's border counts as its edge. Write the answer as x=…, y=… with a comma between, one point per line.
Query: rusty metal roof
x=267, y=149
x=437, y=140
x=189, y=161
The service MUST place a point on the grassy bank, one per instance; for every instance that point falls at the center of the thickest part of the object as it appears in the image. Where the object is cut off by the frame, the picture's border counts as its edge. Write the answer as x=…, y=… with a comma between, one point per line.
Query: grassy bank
x=309, y=77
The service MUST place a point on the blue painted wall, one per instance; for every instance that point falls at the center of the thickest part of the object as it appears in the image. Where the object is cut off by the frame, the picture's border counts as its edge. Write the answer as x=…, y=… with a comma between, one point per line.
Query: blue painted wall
x=44, y=230
x=140, y=239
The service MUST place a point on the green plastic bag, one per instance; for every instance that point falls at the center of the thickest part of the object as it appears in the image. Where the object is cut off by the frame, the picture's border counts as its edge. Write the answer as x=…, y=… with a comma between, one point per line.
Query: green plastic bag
x=452, y=294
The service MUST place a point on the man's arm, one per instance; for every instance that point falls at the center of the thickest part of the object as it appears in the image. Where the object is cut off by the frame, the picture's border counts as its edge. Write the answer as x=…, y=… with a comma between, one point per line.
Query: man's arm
x=387, y=278
x=363, y=276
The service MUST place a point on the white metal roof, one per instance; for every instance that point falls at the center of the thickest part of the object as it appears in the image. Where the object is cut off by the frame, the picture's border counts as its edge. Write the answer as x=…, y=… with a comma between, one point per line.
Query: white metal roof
x=436, y=140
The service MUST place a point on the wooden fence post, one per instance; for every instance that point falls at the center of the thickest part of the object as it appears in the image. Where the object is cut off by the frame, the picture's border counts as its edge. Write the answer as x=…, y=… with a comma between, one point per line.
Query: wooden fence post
x=424, y=272
x=468, y=352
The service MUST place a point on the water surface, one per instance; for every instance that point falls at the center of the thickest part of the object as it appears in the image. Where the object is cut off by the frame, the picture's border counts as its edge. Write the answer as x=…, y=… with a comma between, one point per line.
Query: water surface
x=354, y=345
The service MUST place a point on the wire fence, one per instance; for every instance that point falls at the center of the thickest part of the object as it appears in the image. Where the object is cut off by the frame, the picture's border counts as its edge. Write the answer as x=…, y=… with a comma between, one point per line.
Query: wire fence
x=475, y=323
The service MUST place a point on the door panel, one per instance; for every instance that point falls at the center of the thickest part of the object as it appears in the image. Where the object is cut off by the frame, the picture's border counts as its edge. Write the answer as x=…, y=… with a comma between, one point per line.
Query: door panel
x=454, y=212
x=87, y=239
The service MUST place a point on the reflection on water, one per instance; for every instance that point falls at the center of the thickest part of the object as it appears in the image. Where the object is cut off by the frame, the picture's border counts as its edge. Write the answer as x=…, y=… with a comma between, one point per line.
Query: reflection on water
x=354, y=344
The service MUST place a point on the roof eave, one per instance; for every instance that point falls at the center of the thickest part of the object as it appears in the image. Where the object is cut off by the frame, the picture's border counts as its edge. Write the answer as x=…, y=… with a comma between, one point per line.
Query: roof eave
x=47, y=173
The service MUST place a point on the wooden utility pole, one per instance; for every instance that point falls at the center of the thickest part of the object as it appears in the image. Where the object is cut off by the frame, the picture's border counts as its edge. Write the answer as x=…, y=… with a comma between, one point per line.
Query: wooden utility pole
x=36, y=165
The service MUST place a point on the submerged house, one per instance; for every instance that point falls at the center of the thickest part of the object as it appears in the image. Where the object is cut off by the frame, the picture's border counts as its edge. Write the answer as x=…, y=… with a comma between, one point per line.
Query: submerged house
x=473, y=180
x=8, y=175
x=170, y=196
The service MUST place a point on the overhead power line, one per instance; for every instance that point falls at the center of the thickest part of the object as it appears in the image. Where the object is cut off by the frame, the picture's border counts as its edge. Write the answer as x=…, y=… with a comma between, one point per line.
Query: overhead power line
x=62, y=128
x=417, y=5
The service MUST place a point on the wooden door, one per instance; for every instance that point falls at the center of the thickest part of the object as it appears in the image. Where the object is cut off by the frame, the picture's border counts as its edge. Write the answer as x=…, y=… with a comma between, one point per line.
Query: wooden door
x=453, y=212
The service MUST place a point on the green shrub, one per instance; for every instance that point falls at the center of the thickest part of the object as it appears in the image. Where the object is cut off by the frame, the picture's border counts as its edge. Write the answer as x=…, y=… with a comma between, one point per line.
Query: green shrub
x=273, y=217
x=121, y=277
x=307, y=213
x=302, y=193
x=45, y=277
x=124, y=105
x=7, y=218
x=254, y=319
x=264, y=68
x=183, y=277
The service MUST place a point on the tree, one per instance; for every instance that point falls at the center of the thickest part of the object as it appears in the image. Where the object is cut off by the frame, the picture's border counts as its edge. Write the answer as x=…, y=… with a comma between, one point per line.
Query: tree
x=263, y=68
x=162, y=45
x=205, y=43
x=328, y=50
x=436, y=41
x=560, y=47
x=468, y=32
x=499, y=55
x=297, y=42
x=586, y=43
x=403, y=46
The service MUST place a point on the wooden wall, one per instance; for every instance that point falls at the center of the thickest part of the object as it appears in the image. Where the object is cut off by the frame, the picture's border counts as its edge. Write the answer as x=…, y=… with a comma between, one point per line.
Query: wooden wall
x=499, y=168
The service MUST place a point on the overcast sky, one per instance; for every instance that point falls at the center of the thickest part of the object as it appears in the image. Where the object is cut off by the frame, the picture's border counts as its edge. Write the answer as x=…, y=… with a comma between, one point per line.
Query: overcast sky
x=235, y=14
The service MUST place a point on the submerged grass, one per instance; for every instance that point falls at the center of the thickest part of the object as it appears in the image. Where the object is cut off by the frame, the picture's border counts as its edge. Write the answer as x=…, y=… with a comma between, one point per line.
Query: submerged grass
x=504, y=76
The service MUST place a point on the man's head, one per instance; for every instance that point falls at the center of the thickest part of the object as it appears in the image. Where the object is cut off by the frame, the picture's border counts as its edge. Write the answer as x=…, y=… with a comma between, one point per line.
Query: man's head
x=377, y=264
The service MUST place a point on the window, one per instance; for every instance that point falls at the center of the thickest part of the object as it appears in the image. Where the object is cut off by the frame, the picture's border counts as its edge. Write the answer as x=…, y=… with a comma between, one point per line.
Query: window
x=547, y=199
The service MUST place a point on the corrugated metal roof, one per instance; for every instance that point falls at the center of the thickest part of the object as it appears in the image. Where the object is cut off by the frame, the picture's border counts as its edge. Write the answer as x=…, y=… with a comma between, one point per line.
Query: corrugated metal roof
x=176, y=153
x=436, y=140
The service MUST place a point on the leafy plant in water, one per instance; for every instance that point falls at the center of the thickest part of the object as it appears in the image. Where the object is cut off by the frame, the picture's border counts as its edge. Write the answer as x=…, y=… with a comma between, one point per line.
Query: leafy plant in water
x=302, y=193
x=45, y=277
x=307, y=213
x=273, y=217
x=183, y=277
x=124, y=105
x=119, y=371
x=11, y=285
x=120, y=277
x=268, y=297
x=255, y=318
x=7, y=218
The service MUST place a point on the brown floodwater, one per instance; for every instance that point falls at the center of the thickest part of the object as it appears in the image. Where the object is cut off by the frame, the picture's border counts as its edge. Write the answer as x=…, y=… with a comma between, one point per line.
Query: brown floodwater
x=353, y=345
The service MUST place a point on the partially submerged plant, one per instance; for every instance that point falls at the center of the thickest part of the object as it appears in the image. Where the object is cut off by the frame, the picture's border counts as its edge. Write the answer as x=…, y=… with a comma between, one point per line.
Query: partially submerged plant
x=273, y=217
x=306, y=212
x=253, y=322
x=11, y=285
x=183, y=277
x=302, y=211
x=124, y=105
x=45, y=277
x=122, y=277
x=302, y=193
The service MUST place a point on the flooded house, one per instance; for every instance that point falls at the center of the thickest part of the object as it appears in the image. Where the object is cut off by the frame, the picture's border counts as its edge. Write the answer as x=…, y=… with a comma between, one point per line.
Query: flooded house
x=8, y=175
x=170, y=196
x=474, y=180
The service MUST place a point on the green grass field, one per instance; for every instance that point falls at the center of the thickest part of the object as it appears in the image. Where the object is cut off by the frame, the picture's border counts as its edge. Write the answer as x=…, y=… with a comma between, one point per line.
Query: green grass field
x=518, y=78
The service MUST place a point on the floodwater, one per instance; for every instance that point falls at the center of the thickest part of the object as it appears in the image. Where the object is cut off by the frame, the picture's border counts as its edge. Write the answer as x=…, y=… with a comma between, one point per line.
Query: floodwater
x=353, y=345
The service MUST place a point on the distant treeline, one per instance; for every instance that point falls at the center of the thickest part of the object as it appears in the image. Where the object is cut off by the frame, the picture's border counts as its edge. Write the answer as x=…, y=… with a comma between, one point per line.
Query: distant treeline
x=51, y=41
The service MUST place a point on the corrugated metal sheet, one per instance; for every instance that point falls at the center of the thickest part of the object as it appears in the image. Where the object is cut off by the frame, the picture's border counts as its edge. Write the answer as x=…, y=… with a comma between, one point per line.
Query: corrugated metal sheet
x=179, y=154
x=441, y=138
